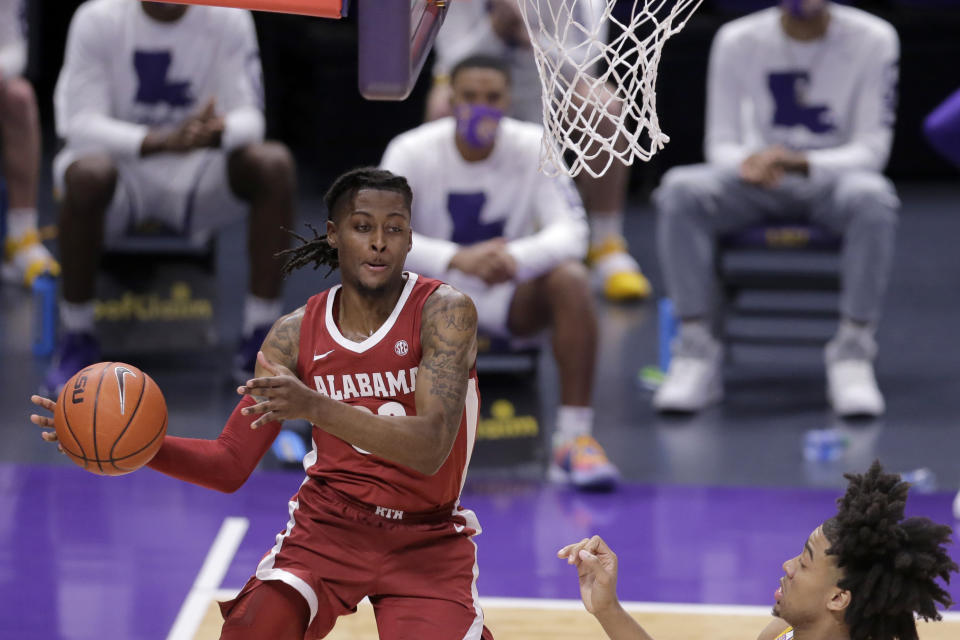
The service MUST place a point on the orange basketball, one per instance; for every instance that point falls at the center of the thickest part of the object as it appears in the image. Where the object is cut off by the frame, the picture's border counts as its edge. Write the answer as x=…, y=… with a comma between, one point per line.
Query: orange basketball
x=111, y=418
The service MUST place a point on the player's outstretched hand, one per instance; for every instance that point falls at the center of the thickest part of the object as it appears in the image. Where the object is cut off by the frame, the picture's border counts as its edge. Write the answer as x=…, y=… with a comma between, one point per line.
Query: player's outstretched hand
x=45, y=421
x=597, y=570
x=281, y=396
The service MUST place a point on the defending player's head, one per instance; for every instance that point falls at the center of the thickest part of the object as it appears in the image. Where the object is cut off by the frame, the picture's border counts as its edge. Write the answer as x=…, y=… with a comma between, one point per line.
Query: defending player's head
x=481, y=95
x=868, y=570
x=368, y=230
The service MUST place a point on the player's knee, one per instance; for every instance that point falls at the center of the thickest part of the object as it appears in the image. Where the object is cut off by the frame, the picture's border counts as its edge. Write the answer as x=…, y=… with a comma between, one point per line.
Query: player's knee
x=568, y=282
x=869, y=197
x=19, y=101
x=271, y=610
x=91, y=180
x=879, y=219
x=677, y=189
x=269, y=166
x=275, y=160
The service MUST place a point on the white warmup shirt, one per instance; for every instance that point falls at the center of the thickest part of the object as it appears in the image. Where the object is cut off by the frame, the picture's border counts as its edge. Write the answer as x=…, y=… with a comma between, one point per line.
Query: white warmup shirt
x=833, y=97
x=13, y=42
x=125, y=72
x=456, y=202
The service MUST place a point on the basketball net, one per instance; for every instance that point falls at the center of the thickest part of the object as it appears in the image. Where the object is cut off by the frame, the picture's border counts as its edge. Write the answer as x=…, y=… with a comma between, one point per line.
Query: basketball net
x=599, y=98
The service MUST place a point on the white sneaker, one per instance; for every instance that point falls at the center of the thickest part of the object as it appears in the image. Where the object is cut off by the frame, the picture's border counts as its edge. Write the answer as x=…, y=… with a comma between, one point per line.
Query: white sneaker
x=694, y=379
x=691, y=384
x=852, y=388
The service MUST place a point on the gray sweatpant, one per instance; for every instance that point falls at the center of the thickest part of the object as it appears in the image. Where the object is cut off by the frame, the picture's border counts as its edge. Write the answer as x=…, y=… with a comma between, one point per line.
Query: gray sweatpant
x=697, y=203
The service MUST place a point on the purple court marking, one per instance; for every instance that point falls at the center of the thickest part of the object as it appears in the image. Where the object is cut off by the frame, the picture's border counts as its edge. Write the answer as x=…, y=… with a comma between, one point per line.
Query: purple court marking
x=83, y=556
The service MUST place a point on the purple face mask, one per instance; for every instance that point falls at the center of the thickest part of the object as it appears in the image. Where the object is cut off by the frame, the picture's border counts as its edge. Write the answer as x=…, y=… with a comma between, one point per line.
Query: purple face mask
x=477, y=124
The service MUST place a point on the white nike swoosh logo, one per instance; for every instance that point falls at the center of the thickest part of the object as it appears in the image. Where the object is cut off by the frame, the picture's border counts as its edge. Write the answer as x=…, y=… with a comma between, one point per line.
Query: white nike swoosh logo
x=122, y=373
x=323, y=355
x=458, y=528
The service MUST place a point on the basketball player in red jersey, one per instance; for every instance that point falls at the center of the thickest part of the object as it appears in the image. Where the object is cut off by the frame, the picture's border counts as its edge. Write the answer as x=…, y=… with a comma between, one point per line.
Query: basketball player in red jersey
x=383, y=366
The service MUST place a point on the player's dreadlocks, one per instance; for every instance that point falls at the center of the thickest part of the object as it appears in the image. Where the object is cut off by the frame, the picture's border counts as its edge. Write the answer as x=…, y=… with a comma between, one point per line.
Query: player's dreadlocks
x=890, y=565
x=316, y=249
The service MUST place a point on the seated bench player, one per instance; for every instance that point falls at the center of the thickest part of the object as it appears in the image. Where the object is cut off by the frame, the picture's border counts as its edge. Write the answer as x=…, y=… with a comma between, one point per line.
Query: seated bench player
x=800, y=111
x=24, y=257
x=490, y=224
x=496, y=27
x=160, y=106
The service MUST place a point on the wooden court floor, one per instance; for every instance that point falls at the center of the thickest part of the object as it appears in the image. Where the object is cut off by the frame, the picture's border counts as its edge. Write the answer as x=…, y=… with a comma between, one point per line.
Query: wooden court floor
x=551, y=620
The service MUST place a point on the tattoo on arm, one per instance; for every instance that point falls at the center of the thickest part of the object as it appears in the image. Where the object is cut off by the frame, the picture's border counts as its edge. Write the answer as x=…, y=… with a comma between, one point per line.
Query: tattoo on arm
x=282, y=344
x=449, y=341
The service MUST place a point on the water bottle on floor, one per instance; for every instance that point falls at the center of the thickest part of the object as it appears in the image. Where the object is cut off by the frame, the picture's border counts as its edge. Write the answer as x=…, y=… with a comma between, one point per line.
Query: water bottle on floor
x=921, y=480
x=45, y=315
x=824, y=445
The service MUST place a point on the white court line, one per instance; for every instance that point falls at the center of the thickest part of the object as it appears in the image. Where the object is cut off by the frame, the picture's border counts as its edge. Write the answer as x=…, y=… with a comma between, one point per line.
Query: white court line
x=544, y=604
x=208, y=581
x=649, y=607
x=636, y=607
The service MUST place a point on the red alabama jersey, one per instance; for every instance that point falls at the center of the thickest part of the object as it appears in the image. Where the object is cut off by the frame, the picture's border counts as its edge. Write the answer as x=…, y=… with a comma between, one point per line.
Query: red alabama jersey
x=378, y=375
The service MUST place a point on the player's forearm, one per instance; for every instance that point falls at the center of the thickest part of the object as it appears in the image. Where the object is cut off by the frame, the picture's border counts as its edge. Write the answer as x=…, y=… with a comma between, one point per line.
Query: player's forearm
x=725, y=154
x=100, y=132
x=869, y=155
x=13, y=59
x=223, y=464
x=418, y=442
x=154, y=142
x=431, y=256
x=242, y=126
x=620, y=625
x=557, y=243
x=723, y=135
x=795, y=162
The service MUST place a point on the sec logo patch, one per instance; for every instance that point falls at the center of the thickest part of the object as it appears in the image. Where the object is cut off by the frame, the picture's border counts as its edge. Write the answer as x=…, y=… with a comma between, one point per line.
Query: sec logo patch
x=401, y=348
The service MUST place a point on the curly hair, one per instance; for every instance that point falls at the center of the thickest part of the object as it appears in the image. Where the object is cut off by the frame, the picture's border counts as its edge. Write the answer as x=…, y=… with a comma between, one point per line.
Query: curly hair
x=317, y=250
x=890, y=564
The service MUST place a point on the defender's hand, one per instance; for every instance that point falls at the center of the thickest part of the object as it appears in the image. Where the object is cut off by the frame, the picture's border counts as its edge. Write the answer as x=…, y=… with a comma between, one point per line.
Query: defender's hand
x=44, y=421
x=597, y=570
x=280, y=397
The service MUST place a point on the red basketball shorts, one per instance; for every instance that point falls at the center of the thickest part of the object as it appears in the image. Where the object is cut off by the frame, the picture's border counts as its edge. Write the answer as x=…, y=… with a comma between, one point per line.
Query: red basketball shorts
x=421, y=577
